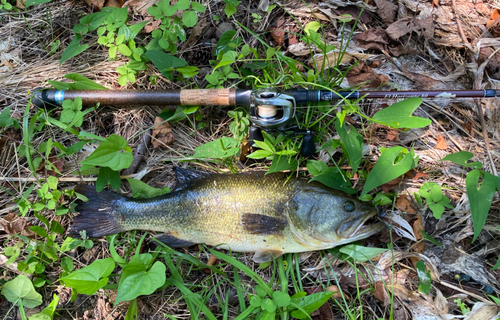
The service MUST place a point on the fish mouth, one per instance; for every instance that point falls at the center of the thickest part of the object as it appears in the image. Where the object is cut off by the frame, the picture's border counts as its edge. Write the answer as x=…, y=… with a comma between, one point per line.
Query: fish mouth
x=363, y=228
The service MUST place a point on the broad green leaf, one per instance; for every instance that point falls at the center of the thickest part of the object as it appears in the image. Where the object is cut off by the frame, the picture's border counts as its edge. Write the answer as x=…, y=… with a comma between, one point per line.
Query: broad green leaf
x=141, y=282
x=144, y=191
x=164, y=62
x=48, y=312
x=268, y=305
x=316, y=167
x=21, y=288
x=198, y=7
x=313, y=25
x=227, y=43
x=80, y=83
x=67, y=264
x=132, y=310
x=91, y=278
x=188, y=71
x=281, y=163
x=112, y=152
x=309, y=303
x=399, y=115
x=281, y=299
x=230, y=7
x=427, y=237
x=5, y=119
x=227, y=58
x=424, y=276
x=259, y=154
x=182, y=4
x=351, y=142
x=124, y=49
x=360, y=253
x=497, y=265
x=73, y=49
x=386, y=170
x=333, y=178
x=220, y=148
x=35, y=2
x=106, y=177
x=461, y=158
x=189, y=18
x=480, y=197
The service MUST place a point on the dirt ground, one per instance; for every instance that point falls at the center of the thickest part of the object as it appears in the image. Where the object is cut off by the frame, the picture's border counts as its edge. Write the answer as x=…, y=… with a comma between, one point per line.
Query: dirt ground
x=399, y=44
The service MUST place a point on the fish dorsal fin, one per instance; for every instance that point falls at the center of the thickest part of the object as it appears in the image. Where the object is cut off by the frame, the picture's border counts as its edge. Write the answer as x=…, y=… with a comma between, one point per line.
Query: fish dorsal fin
x=186, y=176
x=255, y=223
x=266, y=255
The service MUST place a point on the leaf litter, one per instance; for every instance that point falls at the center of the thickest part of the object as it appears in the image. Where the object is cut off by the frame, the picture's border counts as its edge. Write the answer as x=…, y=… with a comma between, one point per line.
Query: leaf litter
x=416, y=44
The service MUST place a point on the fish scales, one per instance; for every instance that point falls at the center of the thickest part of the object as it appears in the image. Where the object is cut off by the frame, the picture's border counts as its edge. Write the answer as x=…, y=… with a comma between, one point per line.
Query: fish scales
x=248, y=212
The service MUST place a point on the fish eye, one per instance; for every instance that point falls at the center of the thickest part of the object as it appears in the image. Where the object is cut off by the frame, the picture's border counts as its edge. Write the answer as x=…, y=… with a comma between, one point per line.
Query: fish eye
x=349, y=206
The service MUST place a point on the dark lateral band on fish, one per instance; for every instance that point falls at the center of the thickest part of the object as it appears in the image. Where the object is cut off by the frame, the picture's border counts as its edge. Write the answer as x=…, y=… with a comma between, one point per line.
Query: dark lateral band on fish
x=269, y=214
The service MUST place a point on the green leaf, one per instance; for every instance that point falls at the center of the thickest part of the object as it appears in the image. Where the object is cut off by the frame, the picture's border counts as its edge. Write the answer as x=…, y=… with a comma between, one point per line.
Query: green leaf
x=5, y=119
x=91, y=278
x=282, y=299
x=198, y=7
x=227, y=58
x=227, y=43
x=188, y=71
x=80, y=83
x=259, y=154
x=281, y=163
x=164, y=62
x=386, y=170
x=427, y=237
x=360, y=253
x=135, y=282
x=182, y=4
x=144, y=191
x=220, y=148
x=48, y=312
x=309, y=303
x=424, y=276
x=461, y=158
x=351, y=142
x=261, y=291
x=314, y=25
x=39, y=231
x=316, y=167
x=480, y=197
x=35, y=2
x=67, y=264
x=268, y=305
x=189, y=18
x=21, y=288
x=230, y=8
x=334, y=178
x=399, y=115
x=112, y=152
x=73, y=49
x=106, y=177
x=124, y=49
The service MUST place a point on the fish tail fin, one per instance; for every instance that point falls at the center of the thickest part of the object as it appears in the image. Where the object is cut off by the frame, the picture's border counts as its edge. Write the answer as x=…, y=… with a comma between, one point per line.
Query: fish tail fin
x=96, y=216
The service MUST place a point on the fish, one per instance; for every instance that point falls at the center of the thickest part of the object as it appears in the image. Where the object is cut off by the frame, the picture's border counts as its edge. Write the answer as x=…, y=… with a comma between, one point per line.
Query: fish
x=267, y=214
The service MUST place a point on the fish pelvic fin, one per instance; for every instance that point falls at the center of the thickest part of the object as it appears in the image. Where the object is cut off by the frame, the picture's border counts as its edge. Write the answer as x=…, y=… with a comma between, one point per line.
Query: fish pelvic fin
x=266, y=255
x=172, y=241
x=96, y=216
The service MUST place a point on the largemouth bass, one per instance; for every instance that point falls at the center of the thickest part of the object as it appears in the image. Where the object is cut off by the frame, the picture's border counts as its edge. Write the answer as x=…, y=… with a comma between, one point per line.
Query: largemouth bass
x=247, y=212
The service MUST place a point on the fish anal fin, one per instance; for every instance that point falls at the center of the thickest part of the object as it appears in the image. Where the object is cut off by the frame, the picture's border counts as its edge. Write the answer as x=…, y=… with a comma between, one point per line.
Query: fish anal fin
x=266, y=255
x=172, y=241
x=255, y=223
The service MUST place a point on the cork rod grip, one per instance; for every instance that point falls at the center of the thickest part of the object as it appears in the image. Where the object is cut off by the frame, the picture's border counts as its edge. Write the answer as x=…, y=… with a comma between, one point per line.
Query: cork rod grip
x=207, y=97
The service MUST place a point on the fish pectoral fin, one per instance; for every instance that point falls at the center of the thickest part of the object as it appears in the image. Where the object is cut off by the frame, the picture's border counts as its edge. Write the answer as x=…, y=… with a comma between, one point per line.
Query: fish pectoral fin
x=266, y=255
x=255, y=223
x=172, y=241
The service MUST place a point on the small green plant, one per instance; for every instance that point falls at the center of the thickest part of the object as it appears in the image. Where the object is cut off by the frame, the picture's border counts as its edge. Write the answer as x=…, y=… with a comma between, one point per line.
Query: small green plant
x=241, y=123
x=231, y=7
x=436, y=200
x=481, y=187
x=171, y=29
x=256, y=17
x=20, y=291
x=463, y=307
x=424, y=276
x=4, y=5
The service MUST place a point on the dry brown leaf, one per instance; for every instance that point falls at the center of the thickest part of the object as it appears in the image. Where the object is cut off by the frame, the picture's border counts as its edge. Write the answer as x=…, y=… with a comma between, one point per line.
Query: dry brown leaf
x=96, y=4
x=114, y=3
x=13, y=224
x=422, y=27
x=363, y=73
x=140, y=6
x=58, y=163
x=337, y=294
x=441, y=143
x=162, y=133
x=386, y=11
x=419, y=175
x=403, y=204
x=435, y=3
x=244, y=149
x=387, y=187
x=20, y=4
x=381, y=294
x=278, y=35
x=494, y=23
x=468, y=127
x=332, y=58
x=355, y=13
x=374, y=38
x=196, y=33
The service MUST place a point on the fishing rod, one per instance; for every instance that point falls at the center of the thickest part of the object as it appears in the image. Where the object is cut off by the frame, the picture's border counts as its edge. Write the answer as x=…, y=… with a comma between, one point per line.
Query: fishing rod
x=268, y=108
